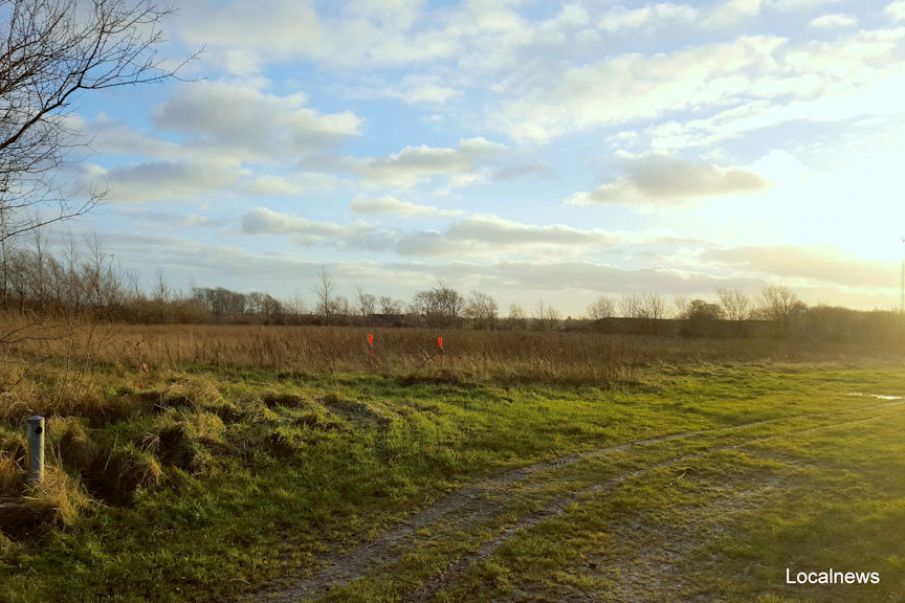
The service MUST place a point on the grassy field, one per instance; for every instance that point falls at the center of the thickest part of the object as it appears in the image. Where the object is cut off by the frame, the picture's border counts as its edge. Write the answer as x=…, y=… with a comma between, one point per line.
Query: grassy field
x=190, y=479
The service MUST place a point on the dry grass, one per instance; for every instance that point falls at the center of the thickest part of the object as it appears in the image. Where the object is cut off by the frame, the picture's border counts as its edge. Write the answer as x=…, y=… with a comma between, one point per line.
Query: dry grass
x=127, y=410
x=12, y=476
x=58, y=500
x=501, y=355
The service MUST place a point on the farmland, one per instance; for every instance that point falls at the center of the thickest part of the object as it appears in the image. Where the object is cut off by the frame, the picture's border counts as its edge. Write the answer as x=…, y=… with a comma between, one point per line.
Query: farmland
x=289, y=463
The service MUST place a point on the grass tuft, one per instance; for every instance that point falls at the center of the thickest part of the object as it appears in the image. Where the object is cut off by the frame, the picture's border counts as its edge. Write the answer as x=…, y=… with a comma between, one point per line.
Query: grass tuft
x=183, y=439
x=136, y=468
x=58, y=501
x=71, y=439
x=12, y=476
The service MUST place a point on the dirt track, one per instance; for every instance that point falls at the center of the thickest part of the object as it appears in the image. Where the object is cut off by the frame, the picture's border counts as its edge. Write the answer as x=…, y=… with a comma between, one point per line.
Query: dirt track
x=479, y=505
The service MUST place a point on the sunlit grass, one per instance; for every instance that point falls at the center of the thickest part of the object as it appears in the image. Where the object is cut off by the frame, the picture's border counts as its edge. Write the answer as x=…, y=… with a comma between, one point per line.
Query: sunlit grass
x=208, y=482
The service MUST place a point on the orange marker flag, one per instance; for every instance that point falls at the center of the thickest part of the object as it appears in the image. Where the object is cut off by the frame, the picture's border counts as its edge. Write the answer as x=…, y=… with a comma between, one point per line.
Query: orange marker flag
x=370, y=340
x=440, y=343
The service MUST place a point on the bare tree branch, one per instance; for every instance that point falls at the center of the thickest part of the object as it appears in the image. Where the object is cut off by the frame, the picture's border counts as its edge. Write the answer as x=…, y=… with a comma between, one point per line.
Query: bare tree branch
x=52, y=52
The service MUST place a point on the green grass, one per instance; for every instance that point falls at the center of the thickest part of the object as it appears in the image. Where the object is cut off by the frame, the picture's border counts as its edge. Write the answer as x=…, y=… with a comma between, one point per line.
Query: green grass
x=264, y=476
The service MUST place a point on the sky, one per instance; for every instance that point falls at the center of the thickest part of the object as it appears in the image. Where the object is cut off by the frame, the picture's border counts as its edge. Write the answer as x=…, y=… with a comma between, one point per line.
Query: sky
x=529, y=149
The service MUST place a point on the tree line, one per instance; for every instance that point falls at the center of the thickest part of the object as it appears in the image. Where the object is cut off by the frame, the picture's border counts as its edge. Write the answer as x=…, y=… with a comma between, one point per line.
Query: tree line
x=83, y=279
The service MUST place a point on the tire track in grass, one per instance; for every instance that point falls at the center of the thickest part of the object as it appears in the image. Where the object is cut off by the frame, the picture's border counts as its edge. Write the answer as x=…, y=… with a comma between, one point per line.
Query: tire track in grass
x=341, y=569
x=458, y=568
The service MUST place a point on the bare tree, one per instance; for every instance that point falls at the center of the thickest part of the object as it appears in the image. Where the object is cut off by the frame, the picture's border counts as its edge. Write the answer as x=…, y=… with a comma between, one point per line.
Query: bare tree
x=440, y=306
x=295, y=304
x=653, y=306
x=342, y=309
x=482, y=310
x=367, y=303
x=602, y=308
x=51, y=52
x=780, y=304
x=680, y=305
x=390, y=306
x=40, y=269
x=516, y=317
x=736, y=305
x=631, y=306
x=74, y=286
x=325, y=292
x=546, y=317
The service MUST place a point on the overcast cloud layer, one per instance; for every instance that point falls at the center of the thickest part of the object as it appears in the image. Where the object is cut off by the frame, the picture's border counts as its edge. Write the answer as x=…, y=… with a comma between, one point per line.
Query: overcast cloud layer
x=528, y=148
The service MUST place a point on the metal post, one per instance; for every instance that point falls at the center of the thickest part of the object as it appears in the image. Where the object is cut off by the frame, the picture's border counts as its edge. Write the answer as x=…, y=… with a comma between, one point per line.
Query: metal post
x=34, y=427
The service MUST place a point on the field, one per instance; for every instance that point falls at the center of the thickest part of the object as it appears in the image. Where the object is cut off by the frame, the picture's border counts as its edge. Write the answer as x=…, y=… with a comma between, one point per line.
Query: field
x=284, y=464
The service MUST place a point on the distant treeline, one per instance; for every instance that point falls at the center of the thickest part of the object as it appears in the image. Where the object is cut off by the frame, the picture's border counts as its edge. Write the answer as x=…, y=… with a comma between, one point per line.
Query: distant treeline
x=86, y=281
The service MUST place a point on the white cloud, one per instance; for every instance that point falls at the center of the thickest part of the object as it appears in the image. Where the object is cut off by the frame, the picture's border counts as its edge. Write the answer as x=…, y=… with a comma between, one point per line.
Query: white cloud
x=413, y=164
x=411, y=90
x=493, y=229
x=662, y=179
x=896, y=10
x=251, y=124
x=495, y=37
x=653, y=16
x=169, y=220
x=798, y=5
x=817, y=262
x=415, y=90
x=296, y=184
x=278, y=27
x=486, y=235
x=227, y=131
x=713, y=77
x=244, y=36
x=732, y=13
x=634, y=86
x=108, y=136
x=833, y=21
x=427, y=93
x=473, y=236
x=561, y=282
x=668, y=16
x=253, y=33
x=391, y=206
x=165, y=180
x=304, y=231
x=251, y=148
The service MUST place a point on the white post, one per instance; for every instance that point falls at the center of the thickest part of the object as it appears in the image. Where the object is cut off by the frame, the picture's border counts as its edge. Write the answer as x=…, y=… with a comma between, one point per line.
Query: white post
x=34, y=427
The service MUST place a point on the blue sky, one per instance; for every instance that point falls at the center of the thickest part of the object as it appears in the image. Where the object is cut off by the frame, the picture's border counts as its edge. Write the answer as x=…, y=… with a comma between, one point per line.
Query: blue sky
x=528, y=149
